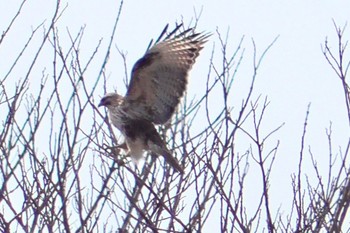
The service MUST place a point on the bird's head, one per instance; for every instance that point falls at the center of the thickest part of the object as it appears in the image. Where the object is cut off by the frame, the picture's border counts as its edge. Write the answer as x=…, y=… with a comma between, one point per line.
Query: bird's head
x=111, y=100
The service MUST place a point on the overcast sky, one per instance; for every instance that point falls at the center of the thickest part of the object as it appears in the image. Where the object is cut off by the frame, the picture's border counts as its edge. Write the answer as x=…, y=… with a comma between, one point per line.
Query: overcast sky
x=293, y=74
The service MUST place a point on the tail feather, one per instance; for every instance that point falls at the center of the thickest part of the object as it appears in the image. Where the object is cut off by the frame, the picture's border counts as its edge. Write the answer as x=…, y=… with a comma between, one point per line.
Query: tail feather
x=167, y=156
x=158, y=146
x=172, y=161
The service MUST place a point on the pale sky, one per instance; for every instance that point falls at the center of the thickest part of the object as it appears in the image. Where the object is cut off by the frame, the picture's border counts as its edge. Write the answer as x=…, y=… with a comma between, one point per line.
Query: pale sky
x=293, y=74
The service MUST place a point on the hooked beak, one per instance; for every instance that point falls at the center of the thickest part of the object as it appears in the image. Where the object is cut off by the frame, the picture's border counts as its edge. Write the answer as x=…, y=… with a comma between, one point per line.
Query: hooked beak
x=103, y=102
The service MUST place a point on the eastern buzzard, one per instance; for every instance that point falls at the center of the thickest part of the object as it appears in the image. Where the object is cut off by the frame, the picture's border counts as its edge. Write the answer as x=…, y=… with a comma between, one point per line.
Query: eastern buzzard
x=158, y=81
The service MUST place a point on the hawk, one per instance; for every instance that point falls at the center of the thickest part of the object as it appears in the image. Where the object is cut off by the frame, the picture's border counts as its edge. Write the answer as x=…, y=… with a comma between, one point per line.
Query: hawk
x=158, y=81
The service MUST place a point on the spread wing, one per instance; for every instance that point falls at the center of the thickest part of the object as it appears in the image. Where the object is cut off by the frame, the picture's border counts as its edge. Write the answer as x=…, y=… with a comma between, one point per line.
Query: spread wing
x=159, y=78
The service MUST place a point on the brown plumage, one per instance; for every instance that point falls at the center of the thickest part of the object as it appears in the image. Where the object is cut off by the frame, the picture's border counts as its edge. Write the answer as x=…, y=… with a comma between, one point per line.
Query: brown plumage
x=158, y=81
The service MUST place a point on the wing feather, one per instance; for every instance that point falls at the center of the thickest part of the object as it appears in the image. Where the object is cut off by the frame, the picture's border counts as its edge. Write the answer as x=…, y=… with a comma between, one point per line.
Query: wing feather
x=159, y=78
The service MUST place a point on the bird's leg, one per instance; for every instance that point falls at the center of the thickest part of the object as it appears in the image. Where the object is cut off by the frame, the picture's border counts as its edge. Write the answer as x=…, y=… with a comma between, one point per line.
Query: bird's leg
x=114, y=152
x=123, y=146
x=116, y=149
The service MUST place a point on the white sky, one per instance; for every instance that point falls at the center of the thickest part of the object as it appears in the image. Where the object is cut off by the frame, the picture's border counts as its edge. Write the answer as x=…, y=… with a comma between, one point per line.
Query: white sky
x=293, y=73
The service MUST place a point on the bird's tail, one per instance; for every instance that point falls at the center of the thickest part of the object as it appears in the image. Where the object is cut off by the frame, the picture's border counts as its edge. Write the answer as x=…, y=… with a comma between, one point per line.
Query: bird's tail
x=157, y=145
x=172, y=161
x=160, y=150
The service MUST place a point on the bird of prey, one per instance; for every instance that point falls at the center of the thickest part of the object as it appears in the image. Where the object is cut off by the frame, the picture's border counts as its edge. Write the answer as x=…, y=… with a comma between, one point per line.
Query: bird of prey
x=158, y=81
